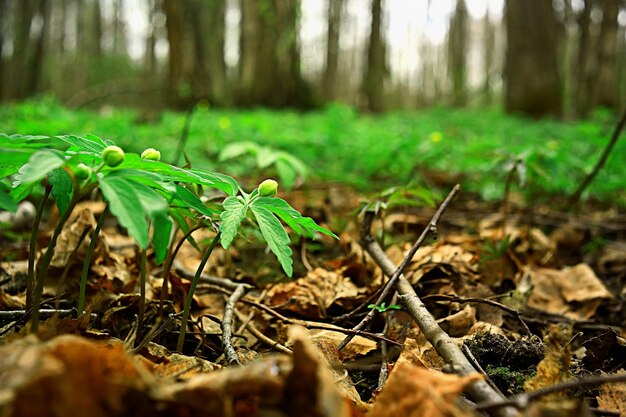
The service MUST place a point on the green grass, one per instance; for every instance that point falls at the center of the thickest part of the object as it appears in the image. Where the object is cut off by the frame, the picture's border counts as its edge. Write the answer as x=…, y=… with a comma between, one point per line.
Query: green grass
x=369, y=152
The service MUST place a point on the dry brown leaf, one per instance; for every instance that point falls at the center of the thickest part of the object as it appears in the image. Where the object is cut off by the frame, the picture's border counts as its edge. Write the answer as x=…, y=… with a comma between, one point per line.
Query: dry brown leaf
x=358, y=346
x=613, y=396
x=166, y=364
x=69, y=239
x=70, y=375
x=441, y=259
x=413, y=391
x=312, y=295
x=459, y=323
x=575, y=292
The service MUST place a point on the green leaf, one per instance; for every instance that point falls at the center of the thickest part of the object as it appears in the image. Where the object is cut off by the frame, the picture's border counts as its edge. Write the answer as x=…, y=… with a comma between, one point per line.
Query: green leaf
x=89, y=142
x=191, y=200
x=300, y=224
x=6, y=202
x=131, y=202
x=172, y=173
x=275, y=235
x=62, y=188
x=236, y=149
x=11, y=160
x=162, y=227
x=232, y=216
x=39, y=165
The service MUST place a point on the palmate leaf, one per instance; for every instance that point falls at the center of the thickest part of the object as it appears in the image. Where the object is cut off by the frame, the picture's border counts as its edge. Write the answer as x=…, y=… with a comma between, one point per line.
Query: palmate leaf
x=88, y=143
x=232, y=216
x=275, y=235
x=301, y=225
x=162, y=227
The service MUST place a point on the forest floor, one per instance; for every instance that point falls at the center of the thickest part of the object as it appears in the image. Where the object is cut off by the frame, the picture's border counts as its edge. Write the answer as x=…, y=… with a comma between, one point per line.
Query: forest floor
x=531, y=296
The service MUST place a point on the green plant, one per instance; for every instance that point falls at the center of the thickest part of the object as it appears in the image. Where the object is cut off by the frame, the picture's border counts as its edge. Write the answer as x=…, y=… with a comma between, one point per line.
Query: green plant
x=496, y=248
x=143, y=194
x=288, y=167
x=382, y=308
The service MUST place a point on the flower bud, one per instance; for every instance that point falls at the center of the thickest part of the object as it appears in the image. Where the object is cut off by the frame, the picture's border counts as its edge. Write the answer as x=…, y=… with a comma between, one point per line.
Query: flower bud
x=82, y=171
x=151, y=154
x=268, y=188
x=113, y=155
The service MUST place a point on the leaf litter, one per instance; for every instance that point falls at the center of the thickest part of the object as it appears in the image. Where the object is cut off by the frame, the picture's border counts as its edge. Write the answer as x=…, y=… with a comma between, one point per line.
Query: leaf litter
x=533, y=305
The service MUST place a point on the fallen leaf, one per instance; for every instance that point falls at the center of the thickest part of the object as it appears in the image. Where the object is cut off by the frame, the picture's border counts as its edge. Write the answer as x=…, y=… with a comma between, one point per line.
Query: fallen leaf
x=413, y=391
x=613, y=396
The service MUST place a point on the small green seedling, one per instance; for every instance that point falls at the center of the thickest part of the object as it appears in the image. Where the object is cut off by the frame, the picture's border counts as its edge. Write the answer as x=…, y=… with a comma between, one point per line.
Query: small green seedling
x=495, y=249
x=382, y=308
x=288, y=168
x=144, y=194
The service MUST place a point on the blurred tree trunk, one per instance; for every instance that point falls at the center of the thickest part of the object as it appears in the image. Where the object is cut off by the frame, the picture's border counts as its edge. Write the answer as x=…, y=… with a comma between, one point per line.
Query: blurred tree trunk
x=457, y=52
x=376, y=64
x=208, y=22
x=532, y=81
x=4, y=5
x=606, y=91
x=18, y=68
x=195, y=33
x=333, y=17
x=174, y=14
x=269, y=63
x=150, y=54
x=24, y=72
x=39, y=49
x=582, y=60
x=489, y=50
x=120, y=41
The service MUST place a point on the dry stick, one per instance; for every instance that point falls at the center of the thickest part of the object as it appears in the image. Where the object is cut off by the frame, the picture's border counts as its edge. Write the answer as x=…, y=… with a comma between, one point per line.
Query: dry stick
x=603, y=158
x=521, y=401
x=394, y=276
x=441, y=341
x=227, y=326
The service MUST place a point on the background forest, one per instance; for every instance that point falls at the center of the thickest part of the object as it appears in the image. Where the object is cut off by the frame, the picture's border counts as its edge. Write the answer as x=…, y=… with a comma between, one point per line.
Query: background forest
x=539, y=57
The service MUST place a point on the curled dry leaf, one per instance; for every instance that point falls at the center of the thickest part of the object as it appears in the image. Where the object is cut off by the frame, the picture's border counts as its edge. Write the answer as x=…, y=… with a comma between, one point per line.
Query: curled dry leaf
x=312, y=295
x=413, y=391
x=575, y=292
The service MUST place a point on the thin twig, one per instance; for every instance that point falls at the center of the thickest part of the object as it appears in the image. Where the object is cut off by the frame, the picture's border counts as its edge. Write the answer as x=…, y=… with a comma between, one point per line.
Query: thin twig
x=603, y=158
x=227, y=326
x=463, y=300
x=431, y=228
x=262, y=337
x=521, y=401
x=306, y=324
x=441, y=341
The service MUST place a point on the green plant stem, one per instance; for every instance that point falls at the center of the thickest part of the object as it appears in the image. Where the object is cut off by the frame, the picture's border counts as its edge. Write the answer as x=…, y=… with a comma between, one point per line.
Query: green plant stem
x=32, y=251
x=42, y=270
x=87, y=262
x=142, y=293
x=192, y=288
x=167, y=268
